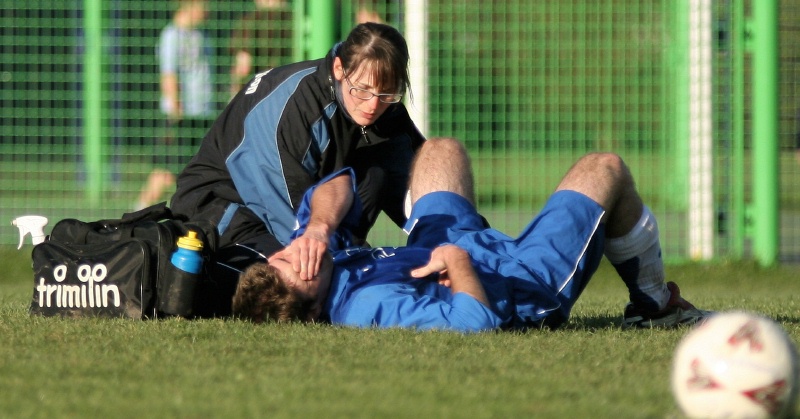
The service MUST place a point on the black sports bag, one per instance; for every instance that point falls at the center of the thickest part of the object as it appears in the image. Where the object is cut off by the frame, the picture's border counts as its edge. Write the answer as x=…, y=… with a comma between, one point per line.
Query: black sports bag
x=116, y=267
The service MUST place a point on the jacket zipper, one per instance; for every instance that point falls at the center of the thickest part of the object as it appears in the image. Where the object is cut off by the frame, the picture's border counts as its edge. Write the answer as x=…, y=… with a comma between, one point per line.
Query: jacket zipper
x=364, y=133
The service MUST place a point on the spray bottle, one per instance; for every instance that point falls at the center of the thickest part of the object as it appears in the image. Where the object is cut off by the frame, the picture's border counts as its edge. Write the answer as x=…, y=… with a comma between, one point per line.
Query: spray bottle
x=33, y=224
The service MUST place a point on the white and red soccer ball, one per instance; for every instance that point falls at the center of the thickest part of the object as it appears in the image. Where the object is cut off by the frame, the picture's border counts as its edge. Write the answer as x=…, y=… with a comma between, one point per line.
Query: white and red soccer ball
x=736, y=365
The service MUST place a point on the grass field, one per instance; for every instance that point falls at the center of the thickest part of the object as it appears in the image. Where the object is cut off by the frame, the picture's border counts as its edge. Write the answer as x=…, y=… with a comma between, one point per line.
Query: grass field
x=51, y=367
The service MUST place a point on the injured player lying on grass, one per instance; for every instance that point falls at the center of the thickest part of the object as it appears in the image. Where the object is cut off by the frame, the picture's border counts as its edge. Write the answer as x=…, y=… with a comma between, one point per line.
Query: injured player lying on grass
x=457, y=273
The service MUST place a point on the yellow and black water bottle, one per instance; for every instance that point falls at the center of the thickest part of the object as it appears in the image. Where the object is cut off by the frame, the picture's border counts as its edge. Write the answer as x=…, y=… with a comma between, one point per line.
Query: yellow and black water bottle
x=182, y=277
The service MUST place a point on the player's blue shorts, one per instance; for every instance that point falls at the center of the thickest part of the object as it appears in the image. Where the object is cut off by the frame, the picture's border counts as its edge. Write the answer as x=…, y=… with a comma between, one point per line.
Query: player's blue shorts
x=558, y=251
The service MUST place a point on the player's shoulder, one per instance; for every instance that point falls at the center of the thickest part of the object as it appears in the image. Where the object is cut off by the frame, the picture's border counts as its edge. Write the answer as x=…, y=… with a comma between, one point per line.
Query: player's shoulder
x=287, y=80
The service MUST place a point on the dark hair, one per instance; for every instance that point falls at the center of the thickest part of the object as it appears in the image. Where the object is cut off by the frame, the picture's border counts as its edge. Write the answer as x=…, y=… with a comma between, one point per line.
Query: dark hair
x=262, y=296
x=384, y=49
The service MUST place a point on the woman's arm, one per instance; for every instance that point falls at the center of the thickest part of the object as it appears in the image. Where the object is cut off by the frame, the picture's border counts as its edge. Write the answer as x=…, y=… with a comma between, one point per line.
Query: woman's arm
x=329, y=205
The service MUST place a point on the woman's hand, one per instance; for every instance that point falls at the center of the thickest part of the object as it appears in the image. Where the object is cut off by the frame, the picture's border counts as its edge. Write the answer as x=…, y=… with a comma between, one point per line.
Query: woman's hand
x=306, y=253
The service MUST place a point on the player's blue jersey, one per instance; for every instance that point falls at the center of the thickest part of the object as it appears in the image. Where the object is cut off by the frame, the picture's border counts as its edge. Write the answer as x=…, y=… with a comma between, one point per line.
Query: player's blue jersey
x=531, y=280
x=373, y=287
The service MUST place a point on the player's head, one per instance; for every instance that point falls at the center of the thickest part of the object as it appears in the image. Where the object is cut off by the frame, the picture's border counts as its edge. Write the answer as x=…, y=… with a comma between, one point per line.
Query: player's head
x=373, y=60
x=273, y=291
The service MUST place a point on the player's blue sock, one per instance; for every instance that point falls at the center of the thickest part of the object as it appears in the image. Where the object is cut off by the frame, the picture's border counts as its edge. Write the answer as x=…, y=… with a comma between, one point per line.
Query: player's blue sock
x=637, y=258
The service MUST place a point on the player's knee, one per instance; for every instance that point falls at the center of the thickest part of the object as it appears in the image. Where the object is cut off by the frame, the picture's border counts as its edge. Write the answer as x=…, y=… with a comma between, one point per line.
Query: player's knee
x=444, y=146
x=610, y=165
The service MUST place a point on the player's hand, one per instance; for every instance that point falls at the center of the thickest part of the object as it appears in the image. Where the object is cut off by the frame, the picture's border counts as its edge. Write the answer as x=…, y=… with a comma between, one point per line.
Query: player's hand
x=438, y=263
x=454, y=266
x=306, y=253
x=444, y=279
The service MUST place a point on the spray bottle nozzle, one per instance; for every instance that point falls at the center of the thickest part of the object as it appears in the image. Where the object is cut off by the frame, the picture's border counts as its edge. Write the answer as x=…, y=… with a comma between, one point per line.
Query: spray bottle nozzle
x=33, y=224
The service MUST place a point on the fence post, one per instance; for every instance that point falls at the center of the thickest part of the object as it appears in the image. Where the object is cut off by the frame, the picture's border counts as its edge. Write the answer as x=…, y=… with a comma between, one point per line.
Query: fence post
x=416, y=22
x=700, y=130
x=738, y=221
x=320, y=34
x=765, y=132
x=93, y=117
x=299, y=29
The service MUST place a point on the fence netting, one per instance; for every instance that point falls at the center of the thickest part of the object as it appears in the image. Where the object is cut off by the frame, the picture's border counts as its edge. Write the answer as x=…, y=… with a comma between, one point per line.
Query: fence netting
x=528, y=86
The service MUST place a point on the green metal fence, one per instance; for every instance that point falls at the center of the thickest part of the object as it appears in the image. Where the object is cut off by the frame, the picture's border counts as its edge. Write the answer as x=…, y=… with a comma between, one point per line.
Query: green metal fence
x=527, y=85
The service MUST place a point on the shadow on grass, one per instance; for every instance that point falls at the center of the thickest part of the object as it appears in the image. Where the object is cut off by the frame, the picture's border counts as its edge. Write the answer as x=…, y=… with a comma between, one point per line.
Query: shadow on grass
x=615, y=322
x=593, y=323
x=793, y=320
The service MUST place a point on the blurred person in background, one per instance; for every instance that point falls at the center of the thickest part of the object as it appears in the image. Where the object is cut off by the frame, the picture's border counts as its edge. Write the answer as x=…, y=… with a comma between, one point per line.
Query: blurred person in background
x=261, y=39
x=187, y=96
x=367, y=12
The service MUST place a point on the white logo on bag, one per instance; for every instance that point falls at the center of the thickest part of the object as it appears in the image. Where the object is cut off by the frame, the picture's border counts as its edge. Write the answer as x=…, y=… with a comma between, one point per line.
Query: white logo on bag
x=89, y=294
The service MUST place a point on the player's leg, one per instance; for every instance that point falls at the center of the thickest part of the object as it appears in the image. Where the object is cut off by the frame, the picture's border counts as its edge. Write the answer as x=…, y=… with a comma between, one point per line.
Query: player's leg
x=553, y=258
x=442, y=193
x=442, y=164
x=632, y=242
x=605, y=179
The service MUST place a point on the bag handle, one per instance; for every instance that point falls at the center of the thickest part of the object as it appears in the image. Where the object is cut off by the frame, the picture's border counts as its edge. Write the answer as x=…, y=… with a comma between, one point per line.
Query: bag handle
x=155, y=213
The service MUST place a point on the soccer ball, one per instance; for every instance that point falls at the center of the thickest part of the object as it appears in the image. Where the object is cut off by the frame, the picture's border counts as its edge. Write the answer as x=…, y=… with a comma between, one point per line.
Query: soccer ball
x=736, y=365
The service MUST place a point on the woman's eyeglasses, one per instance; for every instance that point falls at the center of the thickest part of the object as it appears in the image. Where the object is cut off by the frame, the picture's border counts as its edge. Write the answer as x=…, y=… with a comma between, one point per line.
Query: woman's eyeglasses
x=365, y=94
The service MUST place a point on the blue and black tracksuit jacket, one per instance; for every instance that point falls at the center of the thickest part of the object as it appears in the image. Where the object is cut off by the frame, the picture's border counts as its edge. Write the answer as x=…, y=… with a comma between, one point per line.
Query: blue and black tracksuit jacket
x=277, y=137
